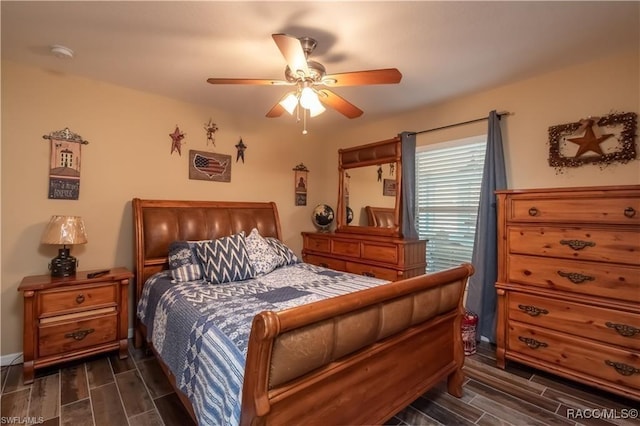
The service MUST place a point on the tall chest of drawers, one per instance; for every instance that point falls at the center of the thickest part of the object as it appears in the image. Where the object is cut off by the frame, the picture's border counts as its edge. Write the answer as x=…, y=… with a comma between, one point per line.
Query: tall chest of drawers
x=569, y=283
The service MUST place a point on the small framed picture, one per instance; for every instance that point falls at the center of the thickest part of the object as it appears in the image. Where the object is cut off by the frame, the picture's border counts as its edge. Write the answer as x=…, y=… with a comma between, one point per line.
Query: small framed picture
x=389, y=187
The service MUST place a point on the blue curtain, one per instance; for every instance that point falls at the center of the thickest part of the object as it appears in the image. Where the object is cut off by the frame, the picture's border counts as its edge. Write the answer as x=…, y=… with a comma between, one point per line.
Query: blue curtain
x=408, y=205
x=481, y=295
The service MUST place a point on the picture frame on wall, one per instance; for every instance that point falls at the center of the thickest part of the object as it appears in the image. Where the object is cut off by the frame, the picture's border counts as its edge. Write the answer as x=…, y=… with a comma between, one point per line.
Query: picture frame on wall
x=389, y=187
x=209, y=166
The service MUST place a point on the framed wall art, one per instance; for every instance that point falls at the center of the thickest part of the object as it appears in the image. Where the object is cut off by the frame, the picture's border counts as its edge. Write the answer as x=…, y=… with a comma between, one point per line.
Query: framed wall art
x=389, y=187
x=64, y=164
x=209, y=166
x=593, y=140
x=300, y=182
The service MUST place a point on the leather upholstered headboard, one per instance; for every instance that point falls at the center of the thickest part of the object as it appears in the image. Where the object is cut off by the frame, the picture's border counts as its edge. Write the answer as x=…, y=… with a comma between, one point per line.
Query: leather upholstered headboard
x=157, y=223
x=381, y=217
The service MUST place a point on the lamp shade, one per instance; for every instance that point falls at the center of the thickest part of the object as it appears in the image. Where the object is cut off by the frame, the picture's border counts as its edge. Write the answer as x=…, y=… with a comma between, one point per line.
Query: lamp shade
x=64, y=230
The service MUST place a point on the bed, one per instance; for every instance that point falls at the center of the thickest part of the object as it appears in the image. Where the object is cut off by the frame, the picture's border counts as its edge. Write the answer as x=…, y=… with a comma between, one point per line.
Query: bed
x=380, y=217
x=354, y=358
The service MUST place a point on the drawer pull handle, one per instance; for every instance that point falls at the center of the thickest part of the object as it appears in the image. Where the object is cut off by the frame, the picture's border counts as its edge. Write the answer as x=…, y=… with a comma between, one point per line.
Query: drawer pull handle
x=532, y=343
x=629, y=212
x=532, y=310
x=369, y=274
x=623, y=369
x=324, y=265
x=623, y=329
x=79, y=334
x=577, y=244
x=575, y=277
x=80, y=299
x=533, y=211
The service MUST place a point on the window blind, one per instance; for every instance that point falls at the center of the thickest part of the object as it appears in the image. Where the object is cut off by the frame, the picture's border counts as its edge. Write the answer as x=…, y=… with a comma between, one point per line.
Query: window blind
x=448, y=179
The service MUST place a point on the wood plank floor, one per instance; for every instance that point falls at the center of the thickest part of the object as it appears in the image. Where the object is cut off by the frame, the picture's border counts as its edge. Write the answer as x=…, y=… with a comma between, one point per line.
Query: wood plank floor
x=105, y=390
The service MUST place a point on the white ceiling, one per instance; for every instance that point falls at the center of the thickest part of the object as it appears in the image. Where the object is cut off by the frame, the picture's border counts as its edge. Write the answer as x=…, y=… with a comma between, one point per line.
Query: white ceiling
x=443, y=49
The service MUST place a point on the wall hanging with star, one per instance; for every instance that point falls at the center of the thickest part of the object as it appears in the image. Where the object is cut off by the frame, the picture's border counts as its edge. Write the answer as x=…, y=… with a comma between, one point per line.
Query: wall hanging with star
x=64, y=164
x=593, y=140
x=177, y=140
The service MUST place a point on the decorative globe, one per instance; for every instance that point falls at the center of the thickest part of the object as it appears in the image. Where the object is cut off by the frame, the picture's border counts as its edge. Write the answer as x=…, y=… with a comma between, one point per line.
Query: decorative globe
x=322, y=217
x=349, y=215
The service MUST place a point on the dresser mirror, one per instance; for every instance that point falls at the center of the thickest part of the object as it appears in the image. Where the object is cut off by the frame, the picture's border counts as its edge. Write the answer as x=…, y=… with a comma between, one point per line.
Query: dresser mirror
x=369, y=191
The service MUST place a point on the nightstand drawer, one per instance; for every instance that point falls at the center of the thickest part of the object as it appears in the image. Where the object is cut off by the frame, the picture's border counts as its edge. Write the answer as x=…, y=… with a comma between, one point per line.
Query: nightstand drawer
x=53, y=302
x=57, y=338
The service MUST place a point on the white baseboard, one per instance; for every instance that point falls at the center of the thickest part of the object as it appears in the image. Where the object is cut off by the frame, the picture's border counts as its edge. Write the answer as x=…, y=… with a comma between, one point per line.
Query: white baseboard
x=16, y=358
x=9, y=359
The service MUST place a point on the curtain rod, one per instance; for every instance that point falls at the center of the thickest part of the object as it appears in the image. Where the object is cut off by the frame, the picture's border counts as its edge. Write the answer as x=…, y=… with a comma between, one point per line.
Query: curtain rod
x=500, y=114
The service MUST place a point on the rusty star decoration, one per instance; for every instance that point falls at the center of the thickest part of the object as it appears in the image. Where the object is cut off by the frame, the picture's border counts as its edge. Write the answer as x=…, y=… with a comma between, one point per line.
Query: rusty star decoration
x=589, y=141
x=176, y=140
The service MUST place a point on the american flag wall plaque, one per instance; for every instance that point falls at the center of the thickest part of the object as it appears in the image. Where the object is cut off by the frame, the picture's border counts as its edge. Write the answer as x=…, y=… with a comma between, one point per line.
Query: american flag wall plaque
x=209, y=166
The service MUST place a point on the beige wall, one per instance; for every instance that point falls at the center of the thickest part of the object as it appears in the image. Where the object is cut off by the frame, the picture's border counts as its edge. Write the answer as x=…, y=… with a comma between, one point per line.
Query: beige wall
x=128, y=155
x=596, y=88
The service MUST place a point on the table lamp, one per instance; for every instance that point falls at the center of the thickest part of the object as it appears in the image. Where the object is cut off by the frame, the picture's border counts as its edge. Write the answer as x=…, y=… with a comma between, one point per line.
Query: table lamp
x=64, y=230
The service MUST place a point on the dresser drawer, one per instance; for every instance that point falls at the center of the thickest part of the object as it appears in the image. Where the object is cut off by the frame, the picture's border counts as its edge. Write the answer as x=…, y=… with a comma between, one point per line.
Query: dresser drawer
x=616, y=366
x=606, y=325
x=381, y=252
x=315, y=243
x=590, y=209
x=345, y=248
x=617, y=246
x=53, y=302
x=62, y=337
x=587, y=278
x=326, y=262
x=372, y=271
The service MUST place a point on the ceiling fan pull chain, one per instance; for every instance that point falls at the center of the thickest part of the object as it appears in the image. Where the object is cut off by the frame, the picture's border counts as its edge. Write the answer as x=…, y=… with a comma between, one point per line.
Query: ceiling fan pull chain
x=304, y=121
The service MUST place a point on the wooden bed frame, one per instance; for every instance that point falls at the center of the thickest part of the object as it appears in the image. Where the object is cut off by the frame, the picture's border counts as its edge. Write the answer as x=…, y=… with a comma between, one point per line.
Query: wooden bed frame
x=353, y=359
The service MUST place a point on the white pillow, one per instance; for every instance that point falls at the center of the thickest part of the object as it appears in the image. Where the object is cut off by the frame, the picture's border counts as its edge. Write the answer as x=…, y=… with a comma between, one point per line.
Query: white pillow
x=263, y=258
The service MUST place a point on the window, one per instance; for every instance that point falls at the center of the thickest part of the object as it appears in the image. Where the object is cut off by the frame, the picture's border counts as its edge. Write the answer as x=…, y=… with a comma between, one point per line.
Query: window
x=448, y=179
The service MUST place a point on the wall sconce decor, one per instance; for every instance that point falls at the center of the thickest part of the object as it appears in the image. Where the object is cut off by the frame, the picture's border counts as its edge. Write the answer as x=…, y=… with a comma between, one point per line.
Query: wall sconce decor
x=301, y=184
x=64, y=230
x=64, y=164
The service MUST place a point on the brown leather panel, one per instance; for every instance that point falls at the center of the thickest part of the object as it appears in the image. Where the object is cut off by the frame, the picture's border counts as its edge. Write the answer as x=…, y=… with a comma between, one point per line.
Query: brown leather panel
x=300, y=351
x=355, y=331
x=308, y=348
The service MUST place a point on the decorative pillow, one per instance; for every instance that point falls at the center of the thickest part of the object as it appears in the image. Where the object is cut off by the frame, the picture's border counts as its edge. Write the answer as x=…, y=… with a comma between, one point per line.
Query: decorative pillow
x=287, y=256
x=183, y=262
x=225, y=259
x=263, y=258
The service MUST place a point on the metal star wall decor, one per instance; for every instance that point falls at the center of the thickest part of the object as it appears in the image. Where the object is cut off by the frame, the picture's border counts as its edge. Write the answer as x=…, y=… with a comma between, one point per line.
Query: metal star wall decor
x=589, y=141
x=176, y=140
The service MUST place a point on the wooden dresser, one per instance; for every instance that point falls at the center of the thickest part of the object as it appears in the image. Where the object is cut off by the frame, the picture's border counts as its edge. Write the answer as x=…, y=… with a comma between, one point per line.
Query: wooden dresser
x=569, y=283
x=375, y=256
x=74, y=317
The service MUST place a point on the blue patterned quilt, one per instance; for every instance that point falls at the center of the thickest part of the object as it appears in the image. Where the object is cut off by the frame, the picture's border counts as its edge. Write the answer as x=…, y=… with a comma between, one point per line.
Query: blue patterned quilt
x=201, y=330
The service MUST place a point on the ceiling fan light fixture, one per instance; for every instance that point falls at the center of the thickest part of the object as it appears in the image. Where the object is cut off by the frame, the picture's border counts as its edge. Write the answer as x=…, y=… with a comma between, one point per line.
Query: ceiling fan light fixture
x=290, y=102
x=316, y=108
x=308, y=97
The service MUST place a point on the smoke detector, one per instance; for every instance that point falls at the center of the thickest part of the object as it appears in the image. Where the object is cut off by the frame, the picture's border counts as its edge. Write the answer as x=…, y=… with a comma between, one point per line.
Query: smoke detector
x=61, y=52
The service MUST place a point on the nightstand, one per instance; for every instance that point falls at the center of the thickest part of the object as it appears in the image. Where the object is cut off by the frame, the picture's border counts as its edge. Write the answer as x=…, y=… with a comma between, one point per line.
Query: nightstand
x=74, y=317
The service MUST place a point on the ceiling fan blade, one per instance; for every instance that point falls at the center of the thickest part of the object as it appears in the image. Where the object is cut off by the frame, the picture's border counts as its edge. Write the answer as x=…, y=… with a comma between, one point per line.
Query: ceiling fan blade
x=293, y=53
x=359, y=78
x=341, y=105
x=277, y=110
x=257, y=81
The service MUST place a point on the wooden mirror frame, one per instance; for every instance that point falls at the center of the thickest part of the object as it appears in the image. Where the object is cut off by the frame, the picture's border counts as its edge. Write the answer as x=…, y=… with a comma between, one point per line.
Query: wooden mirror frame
x=376, y=153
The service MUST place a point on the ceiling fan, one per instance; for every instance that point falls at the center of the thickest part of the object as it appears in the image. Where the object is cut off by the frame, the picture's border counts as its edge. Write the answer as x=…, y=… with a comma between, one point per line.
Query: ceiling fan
x=312, y=82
